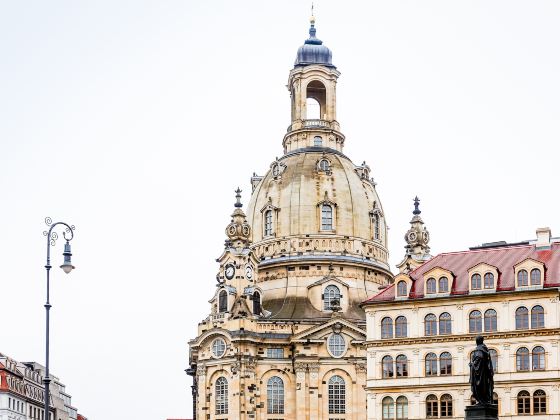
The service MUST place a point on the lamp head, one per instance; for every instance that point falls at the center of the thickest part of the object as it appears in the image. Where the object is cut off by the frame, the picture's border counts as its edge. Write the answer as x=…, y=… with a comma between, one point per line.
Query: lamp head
x=67, y=266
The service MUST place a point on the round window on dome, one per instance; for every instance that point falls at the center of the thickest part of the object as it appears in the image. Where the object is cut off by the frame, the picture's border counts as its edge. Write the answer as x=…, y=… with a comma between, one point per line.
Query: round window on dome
x=276, y=170
x=218, y=347
x=336, y=345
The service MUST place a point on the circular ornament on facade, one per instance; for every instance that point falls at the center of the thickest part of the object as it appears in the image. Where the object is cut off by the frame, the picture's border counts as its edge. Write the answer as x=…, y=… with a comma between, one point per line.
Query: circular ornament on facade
x=411, y=237
x=426, y=237
x=249, y=272
x=245, y=230
x=336, y=345
x=218, y=347
x=231, y=230
x=230, y=271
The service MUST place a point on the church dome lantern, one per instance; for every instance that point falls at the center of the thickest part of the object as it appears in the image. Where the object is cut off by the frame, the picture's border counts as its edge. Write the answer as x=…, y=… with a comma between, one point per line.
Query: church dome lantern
x=313, y=51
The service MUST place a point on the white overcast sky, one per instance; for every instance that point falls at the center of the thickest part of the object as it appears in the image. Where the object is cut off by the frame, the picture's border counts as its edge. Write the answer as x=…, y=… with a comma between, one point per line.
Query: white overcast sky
x=136, y=120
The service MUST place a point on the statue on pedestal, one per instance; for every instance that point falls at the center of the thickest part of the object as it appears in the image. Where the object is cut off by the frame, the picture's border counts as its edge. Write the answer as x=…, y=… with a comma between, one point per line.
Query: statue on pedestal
x=482, y=384
x=482, y=374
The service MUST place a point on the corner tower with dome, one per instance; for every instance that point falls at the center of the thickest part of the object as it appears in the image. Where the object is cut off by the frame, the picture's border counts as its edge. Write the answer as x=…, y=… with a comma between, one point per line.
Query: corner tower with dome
x=283, y=337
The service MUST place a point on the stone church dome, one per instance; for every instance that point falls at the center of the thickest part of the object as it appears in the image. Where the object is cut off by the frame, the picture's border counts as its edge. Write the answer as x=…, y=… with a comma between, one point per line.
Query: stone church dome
x=302, y=193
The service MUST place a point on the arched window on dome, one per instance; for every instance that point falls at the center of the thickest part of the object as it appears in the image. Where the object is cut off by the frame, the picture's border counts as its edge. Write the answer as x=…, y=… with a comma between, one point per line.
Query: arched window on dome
x=326, y=217
x=268, y=223
x=331, y=293
x=376, y=229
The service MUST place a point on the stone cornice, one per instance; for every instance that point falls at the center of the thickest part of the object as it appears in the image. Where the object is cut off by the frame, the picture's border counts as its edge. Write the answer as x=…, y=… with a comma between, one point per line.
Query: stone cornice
x=437, y=339
x=455, y=385
x=482, y=297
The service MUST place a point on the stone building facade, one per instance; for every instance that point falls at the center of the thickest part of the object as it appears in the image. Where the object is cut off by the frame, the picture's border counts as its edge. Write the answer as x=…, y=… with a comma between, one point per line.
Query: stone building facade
x=421, y=331
x=284, y=333
x=22, y=396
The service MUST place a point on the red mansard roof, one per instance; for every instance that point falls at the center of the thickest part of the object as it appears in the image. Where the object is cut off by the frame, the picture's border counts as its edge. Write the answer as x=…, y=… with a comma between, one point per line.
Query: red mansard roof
x=503, y=258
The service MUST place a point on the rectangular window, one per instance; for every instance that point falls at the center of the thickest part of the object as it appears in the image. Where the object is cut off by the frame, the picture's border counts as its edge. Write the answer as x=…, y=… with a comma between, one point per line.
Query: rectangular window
x=275, y=353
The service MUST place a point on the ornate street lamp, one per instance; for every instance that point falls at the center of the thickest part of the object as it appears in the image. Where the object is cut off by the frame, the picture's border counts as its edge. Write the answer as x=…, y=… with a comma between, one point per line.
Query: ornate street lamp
x=67, y=266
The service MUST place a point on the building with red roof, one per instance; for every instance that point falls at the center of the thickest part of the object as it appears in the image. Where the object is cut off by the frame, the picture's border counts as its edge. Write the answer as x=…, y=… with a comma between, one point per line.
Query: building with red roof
x=421, y=330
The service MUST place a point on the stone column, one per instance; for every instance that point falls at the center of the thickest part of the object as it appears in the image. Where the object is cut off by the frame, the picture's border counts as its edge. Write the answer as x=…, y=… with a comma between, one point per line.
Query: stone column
x=506, y=363
x=313, y=389
x=507, y=403
x=202, y=405
x=417, y=369
x=301, y=390
x=359, y=399
x=371, y=406
x=461, y=365
x=248, y=391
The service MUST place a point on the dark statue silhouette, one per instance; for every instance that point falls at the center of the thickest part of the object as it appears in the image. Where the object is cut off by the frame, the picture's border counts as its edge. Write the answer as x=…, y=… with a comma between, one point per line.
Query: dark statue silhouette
x=482, y=374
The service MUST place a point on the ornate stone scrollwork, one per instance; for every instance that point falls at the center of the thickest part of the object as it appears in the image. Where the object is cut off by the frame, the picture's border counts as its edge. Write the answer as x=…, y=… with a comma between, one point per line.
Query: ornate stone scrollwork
x=361, y=367
x=235, y=366
x=200, y=369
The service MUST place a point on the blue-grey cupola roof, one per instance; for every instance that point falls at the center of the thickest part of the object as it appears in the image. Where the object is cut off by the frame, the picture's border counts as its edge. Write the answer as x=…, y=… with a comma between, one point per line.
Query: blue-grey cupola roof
x=313, y=51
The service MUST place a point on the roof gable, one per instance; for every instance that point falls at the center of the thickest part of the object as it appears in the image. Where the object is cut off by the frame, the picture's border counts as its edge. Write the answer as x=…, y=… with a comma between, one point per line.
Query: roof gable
x=319, y=331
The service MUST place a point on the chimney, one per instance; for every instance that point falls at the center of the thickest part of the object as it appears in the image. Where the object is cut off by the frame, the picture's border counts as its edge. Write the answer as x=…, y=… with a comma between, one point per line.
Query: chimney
x=543, y=238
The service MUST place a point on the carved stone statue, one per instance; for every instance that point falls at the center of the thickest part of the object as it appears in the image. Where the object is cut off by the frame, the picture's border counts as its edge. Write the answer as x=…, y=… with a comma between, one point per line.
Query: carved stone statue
x=482, y=374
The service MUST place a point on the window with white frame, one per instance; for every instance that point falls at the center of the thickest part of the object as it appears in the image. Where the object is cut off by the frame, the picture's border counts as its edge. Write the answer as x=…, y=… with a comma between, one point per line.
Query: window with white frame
x=218, y=347
x=337, y=395
x=268, y=223
x=275, y=396
x=331, y=293
x=336, y=345
x=326, y=217
x=221, y=392
x=275, y=353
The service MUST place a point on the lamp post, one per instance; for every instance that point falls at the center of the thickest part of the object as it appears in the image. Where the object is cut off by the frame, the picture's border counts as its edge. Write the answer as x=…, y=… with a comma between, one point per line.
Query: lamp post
x=67, y=266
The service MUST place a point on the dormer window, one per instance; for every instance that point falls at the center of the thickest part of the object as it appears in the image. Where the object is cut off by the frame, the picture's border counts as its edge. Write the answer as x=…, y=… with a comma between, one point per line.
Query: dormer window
x=522, y=278
x=535, y=277
x=431, y=286
x=401, y=288
x=324, y=165
x=443, y=285
x=318, y=141
x=331, y=293
x=276, y=170
x=326, y=217
x=476, y=282
x=489, y=281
